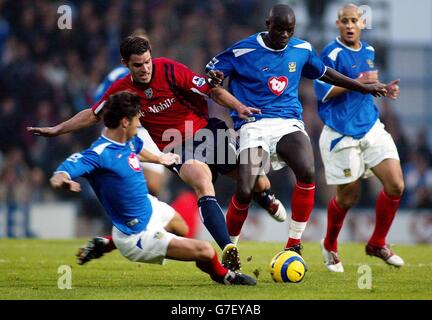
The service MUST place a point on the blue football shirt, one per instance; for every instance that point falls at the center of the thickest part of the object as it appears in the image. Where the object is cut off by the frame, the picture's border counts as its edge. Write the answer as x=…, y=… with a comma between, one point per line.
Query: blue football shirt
x=266, y=78
x=352, y=113
x=117, y=73
x=114, y=172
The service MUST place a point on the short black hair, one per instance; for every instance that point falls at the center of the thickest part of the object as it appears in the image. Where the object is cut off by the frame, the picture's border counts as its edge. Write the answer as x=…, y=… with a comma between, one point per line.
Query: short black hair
x=120, y=105
x=134, y=45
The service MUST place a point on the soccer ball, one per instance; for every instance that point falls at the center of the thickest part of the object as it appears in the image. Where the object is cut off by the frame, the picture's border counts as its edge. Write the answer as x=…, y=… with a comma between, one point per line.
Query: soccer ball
x=287, y=266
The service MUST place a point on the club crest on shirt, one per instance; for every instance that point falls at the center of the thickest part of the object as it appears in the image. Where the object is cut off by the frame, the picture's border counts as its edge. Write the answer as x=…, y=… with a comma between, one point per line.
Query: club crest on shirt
x=292, y=66
x=149, y=93
x=347, y=173
x=131, y=146
x=370, y=63
x=158, y=235
x=134, y=162
x=278, y=85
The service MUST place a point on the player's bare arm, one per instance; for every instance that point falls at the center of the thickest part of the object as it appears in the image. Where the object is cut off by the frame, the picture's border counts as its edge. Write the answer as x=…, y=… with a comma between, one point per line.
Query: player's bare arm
x=226, y=99
x=392, y=87
x=336, y=78
x=364, y=77
x=62, y=181
x=81, y=120
x=166, y=159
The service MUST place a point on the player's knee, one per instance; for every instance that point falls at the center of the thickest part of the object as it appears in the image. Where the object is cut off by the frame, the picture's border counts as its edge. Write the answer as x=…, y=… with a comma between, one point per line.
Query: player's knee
x=396, y=188
x=306, y=174
x=262, y=184
x=347, y=201
x=205, y=251
x=244, y=194
x=153, y=187
x=203, y=186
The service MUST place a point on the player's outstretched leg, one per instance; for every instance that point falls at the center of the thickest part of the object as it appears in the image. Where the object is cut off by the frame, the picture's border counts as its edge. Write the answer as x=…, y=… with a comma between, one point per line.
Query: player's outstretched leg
x=199, y=176
x=221, y=274
x=206, y=260
x=98, y=246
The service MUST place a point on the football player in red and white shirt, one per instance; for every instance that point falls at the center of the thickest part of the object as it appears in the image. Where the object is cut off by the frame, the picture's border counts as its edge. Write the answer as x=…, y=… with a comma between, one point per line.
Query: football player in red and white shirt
x=173, y=98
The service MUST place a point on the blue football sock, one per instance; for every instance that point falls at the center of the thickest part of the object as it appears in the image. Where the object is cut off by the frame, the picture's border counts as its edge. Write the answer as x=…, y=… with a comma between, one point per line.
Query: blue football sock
x=214, y=220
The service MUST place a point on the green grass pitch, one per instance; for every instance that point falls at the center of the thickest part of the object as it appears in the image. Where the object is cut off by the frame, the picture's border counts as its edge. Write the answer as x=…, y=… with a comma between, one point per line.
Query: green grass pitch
x=29, y=270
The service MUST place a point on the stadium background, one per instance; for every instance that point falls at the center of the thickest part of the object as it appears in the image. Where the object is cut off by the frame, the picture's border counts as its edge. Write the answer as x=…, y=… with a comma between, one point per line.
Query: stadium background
x=48, y=74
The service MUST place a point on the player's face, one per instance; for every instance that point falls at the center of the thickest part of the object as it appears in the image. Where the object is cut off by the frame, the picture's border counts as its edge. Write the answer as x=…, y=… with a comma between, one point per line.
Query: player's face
x=280, y=31
x=132, y=129
x=141, y=67
x=350, y=26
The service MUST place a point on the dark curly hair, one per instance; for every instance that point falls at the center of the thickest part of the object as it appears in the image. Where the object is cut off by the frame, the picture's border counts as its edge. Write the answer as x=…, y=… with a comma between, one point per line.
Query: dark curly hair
x=120, y=105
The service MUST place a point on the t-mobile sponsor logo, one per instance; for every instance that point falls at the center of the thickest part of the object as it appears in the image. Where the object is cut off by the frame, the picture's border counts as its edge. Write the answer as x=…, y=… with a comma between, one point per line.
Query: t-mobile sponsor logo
x=156, y=108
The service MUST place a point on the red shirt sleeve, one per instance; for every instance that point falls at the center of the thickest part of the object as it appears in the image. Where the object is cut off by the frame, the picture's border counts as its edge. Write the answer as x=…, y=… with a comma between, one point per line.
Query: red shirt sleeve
x=188, y=80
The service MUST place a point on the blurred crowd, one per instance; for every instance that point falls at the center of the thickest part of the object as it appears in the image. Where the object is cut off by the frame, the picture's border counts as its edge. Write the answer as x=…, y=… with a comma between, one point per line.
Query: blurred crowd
x=48, y=74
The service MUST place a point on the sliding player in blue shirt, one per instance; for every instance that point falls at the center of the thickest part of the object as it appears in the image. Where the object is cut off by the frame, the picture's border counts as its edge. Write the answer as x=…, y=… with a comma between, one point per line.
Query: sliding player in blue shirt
x=112, y=166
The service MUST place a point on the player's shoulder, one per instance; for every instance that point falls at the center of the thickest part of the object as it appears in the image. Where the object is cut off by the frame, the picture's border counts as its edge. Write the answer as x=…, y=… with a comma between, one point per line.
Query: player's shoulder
x=121, y=83
x=161, y=63
x=103, y=146
x=244, y=46
x=167, y=61
x=300, y=44
x=331, y=46
x=366, y=46
x=332, y=50
x=117, y=73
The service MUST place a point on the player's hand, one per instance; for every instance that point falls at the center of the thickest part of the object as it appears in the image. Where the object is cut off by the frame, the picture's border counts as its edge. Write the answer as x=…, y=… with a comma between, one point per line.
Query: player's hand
x=168, y=159
x=393, y=89
x=246, y=112
x=376, y=89
x=61, y=181
x=215, y=77
x=43, y=131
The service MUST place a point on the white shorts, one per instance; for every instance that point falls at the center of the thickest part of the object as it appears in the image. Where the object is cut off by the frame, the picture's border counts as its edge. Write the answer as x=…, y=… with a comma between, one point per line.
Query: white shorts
x=351, y=159
x=151, y=244
x=152, y=147
x=266, y=133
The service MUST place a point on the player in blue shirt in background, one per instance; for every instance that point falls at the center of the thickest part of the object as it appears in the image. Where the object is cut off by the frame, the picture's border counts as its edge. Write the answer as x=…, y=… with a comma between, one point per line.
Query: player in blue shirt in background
x=354, y=142
x=264, y=72
x=112, y=166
